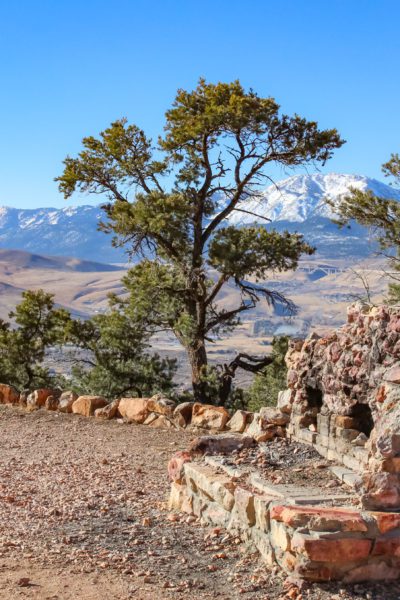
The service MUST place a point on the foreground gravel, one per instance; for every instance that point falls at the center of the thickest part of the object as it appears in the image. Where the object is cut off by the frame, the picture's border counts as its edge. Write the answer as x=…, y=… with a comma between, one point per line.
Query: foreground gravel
x=83, y=516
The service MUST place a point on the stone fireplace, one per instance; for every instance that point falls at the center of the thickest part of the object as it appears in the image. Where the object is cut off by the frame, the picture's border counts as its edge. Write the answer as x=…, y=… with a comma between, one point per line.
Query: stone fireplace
x=344, y=391
x=342, y=407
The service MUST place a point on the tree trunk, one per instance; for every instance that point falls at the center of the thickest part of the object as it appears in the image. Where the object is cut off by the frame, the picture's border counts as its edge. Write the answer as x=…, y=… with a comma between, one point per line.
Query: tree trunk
x=198, y=361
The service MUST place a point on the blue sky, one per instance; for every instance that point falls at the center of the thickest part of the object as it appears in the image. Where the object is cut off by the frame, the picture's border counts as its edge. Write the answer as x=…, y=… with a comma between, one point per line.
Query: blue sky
x=69, y=68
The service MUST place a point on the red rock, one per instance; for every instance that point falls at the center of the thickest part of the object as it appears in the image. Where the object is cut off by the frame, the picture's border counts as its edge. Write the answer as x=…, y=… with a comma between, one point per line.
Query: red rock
x=8, y=394
x=51, y=403
x=134, y=410
x=332, y=519
x=86, y=405
x=371, y=572
x=391, y=465
x=175, y=465
x=380, y=395
x=387, y=546
x=331, y=551
x=37, y=399
x=386, y=521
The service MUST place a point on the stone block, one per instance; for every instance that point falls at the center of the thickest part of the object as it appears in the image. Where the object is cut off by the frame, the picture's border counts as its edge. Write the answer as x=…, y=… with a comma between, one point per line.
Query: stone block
x=280, y=538
x=331, y=551
x=389, y=546
x=323, y=424
x=243, y=509
x=319, y=519
x=386, y=521
x=213, y=514
x=262, y=542
x=371, y=572
x=261, y=510
x=216, y=487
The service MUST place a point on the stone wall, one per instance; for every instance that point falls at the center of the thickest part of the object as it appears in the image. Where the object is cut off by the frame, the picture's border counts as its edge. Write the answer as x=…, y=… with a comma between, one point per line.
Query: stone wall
x=344, y=398
x=316, y=543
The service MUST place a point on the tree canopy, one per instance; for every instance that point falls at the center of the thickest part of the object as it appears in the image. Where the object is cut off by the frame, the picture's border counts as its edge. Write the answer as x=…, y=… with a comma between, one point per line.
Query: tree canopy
x=169, y=204
x=381, y=215
x=36, y=325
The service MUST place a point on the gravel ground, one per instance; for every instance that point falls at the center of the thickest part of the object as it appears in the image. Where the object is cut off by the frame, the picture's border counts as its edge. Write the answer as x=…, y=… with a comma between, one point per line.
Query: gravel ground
x=83, y=516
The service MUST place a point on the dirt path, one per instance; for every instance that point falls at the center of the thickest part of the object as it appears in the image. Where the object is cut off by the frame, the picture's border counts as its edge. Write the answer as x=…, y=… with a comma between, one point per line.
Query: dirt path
x=83, y=516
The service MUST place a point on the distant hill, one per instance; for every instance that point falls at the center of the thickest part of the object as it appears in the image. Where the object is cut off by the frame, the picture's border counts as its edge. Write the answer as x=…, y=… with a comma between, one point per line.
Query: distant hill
x=12, y=260
x=81, y=286
x=296, y=203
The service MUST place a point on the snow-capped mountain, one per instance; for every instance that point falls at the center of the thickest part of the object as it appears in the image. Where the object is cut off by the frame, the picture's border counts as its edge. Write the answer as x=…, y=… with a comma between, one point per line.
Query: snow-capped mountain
x=296, y=204
x=69, y=231
x=302, y=197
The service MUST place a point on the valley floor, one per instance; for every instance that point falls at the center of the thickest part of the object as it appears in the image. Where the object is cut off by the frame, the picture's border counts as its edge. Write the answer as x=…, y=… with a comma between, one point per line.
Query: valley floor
x=83, y=517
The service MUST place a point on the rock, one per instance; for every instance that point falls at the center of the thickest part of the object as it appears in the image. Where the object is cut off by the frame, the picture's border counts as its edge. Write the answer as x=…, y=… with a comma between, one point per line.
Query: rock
x=209, y=416
x=51, y=403
x=393, y=375
x=161, y=405
x=161, y=421
x=331, y=550
x=175, y=465
x=37, y=399
x=257, y=431
x=183, y=413
x=371, y=572
x=360, y=440
x=152, y=417
x=224, y=443
x=239, y=421
x=66, y=401
x=285, y=401
x=273, y=416
x=107, y=412
x=8, y=394
x=86, y=405
x=134, y=410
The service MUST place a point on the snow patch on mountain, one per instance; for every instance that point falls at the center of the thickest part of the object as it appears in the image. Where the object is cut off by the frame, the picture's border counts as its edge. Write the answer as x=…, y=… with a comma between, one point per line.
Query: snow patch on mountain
x=302, y=197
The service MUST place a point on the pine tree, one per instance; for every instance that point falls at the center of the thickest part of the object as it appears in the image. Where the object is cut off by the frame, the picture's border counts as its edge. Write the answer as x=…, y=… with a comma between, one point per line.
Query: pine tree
x=381, y=215
x=169, y=205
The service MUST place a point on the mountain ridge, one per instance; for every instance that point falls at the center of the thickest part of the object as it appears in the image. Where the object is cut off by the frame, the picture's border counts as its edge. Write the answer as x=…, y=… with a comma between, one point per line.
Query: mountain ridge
x=295, y=204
